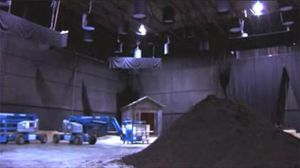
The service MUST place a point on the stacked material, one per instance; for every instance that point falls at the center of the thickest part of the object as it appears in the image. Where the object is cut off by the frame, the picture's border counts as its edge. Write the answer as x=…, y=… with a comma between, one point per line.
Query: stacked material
x=218, y=133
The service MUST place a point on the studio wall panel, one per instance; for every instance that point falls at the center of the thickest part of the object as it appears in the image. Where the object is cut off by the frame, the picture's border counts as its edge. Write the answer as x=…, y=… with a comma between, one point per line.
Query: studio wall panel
x=49, y=82
x=179, y=84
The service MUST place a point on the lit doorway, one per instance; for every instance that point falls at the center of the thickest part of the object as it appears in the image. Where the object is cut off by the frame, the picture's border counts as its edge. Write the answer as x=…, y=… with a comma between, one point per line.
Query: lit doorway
x=149, y=118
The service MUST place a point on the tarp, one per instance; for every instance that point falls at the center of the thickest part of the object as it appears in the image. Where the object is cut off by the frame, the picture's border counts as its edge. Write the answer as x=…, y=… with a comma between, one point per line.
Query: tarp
x=27, y=30
x=255, y=79
x=134, y=63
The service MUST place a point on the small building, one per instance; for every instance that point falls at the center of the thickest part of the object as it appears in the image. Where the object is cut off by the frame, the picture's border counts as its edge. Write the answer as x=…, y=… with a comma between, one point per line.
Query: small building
x=145, y=109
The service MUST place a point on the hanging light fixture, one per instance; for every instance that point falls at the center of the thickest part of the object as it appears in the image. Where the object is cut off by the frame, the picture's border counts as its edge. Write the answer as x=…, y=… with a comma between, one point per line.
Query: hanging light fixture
x=153, y=50
x=244, y=34
x=223, y=6
x=139, y=9
x=244, y=23
x=235, y=26
x=287, y=19
x=137, y=50
x=204, y=45
x=285, y=5
x=123, y=28
x=151, y=40
x=166, y=46
x=257, y=8
x=142, y=31
x=88, y=29
x=119, y=46
x=168, y=15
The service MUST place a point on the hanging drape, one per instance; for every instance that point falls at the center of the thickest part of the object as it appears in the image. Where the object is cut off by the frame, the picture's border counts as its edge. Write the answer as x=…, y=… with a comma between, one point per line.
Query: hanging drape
x=293, y=68
x=134, y=63
x=27, y=30
x=255, y=77
x=256, y=81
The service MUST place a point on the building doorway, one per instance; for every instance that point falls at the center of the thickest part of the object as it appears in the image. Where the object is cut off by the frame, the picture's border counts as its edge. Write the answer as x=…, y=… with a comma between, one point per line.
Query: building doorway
x=149, y=118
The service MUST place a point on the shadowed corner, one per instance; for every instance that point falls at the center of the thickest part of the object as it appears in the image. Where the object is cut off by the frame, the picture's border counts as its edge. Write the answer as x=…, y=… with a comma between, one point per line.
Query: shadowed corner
x=43, y=89
x=86, y=107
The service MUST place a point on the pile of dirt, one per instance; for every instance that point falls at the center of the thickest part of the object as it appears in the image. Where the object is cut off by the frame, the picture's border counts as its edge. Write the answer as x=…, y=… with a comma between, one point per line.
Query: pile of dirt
x=218, y=133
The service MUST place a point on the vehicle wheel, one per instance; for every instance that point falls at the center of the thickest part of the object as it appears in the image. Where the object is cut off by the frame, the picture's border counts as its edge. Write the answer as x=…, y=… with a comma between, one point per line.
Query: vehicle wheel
x=5, y=142
x=43, y=138
x=77, y=140
x=92, y=140
x=5, y=138
x=55, y=138
x=20, y=139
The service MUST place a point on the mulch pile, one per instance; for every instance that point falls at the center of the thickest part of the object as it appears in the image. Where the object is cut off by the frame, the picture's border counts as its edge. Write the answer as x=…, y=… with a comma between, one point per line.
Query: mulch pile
x=218, y=133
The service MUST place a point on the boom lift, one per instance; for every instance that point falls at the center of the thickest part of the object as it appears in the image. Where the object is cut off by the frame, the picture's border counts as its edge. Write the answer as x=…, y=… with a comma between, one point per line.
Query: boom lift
x=78, y=129
x=21, y=128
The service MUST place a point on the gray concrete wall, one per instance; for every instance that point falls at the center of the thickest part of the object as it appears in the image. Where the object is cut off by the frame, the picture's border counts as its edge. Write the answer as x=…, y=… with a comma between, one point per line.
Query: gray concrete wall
x=180, y=83
x=49, y=82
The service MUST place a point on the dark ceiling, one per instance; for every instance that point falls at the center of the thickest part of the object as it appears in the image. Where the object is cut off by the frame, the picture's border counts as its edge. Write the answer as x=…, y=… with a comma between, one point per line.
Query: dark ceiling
x=194, y=20
x=188, y=13
x=201, y=15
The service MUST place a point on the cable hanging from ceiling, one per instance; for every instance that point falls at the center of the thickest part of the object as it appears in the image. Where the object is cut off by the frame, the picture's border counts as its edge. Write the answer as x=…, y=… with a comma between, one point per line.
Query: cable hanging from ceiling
x=55, y=4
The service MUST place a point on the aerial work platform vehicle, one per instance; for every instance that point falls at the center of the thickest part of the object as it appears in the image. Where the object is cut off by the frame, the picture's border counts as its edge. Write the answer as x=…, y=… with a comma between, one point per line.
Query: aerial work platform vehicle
x=21, y=128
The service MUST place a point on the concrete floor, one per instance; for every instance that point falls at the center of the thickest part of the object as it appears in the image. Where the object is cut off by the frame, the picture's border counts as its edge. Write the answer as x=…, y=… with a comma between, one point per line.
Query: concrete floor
x=64, y=155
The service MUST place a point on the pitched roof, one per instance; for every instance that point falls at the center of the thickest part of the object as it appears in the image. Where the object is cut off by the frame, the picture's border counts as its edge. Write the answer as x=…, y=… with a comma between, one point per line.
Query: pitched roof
x=141, y=100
